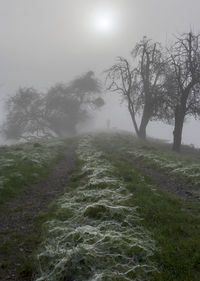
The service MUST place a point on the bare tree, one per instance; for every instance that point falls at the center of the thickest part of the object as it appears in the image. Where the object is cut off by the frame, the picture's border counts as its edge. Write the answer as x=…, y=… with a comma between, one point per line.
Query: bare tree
x=149, y=79
x=183, y=82
x=121, y=80
x=140, y=85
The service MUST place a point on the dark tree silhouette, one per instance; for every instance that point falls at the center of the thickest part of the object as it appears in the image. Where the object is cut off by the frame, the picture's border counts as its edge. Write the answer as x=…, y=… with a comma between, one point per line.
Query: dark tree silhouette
x=25, y=115
x=121, y=81
x=183, y=82
x=140, y=85
x=55, y=113
x=63, y=110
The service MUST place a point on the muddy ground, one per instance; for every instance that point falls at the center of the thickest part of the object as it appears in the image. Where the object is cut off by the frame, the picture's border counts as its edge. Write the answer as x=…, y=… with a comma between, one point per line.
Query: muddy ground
x=17, y=220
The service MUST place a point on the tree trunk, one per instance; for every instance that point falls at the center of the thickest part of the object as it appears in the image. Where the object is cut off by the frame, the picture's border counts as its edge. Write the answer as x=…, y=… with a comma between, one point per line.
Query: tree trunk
x=142, y=131
x=143, y=124
x=131, y=111
x=178, y=129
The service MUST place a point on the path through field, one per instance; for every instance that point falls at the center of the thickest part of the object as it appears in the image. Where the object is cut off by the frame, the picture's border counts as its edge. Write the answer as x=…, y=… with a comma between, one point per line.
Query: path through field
x=18, y=233
x=99, y=235
x=103, y=214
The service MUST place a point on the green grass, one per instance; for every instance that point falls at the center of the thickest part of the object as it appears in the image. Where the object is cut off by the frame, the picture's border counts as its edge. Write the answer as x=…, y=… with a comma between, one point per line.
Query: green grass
x=92, y=230
x=175, y=228
x=173, y=222
x=33, y=163
x=25, y=164
x=16, y=243
x=157, y=155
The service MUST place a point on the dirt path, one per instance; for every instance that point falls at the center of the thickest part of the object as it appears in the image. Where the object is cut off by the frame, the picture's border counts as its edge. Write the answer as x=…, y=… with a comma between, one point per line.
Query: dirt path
x=166, y=181
x=17, y=219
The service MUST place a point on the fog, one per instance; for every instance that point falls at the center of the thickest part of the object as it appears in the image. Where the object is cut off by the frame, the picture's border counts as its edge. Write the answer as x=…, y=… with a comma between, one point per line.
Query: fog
x=48, y=41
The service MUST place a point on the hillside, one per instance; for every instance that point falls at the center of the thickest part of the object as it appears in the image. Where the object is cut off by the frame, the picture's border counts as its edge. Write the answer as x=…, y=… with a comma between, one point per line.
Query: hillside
x=99, y=207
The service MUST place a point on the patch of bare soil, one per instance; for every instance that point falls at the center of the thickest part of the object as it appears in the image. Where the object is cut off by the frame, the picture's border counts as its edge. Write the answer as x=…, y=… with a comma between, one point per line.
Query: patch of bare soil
x=167, y=182
x=17, y=219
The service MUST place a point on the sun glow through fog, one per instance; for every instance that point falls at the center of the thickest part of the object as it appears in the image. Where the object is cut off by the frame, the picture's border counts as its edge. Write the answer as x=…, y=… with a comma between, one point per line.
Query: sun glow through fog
x=104, y=23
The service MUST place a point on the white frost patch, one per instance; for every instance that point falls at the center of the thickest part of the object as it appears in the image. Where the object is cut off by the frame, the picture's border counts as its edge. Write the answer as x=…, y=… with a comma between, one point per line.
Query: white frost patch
x=12, y=157
x=185, y=169
x=99, y=237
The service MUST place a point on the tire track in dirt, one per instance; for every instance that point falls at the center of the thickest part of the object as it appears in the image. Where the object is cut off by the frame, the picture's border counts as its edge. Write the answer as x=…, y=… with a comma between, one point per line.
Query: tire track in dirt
x=163, y=180
x=17, y=215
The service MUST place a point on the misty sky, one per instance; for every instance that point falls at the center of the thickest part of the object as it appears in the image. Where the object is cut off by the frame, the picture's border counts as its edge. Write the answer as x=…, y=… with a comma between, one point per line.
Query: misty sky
x=49, y=41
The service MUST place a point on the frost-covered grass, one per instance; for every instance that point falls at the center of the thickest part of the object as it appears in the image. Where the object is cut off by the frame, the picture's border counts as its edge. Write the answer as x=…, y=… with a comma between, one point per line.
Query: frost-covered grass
x=182, y=167
x=174, y=223
x=95, y=232
x=158, y=155
x=24, y=164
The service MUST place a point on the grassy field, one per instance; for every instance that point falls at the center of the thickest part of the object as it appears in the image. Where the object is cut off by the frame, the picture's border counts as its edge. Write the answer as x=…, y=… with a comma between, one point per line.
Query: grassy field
x=113, y=222
x=165, y=228
x=158, y=155
x=174, y=222
x=24, y=164
x=33, y=176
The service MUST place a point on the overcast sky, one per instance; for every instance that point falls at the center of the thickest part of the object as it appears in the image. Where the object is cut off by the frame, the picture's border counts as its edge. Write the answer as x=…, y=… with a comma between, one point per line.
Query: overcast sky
x=49, y=41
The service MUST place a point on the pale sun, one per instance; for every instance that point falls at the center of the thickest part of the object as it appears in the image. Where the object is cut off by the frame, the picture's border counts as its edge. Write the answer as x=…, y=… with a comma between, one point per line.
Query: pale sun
x=104, y=23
